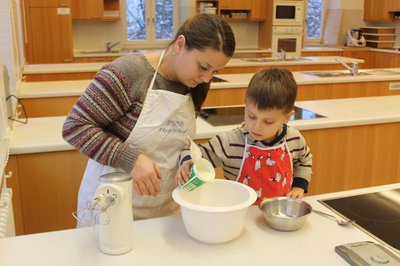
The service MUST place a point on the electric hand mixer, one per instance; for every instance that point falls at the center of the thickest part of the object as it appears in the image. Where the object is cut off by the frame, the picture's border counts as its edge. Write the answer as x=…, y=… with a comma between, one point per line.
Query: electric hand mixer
x=115, y=225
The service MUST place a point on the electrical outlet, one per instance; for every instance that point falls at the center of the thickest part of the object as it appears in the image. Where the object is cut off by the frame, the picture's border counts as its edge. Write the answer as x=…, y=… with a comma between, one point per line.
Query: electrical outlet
x=394, y=86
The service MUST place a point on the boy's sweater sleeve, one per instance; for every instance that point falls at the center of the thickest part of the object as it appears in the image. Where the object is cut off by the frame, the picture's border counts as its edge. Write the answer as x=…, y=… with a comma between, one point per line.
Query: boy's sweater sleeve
x=302, y=166
x=217, y=149
x=208, y=151
x=104, y=101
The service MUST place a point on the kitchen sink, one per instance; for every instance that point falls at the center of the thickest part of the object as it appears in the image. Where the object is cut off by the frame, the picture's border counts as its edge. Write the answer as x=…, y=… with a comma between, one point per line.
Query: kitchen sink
x=123, y=51
x=289, y=59
x=374, y=72
x=382, y=72
x=332, y=74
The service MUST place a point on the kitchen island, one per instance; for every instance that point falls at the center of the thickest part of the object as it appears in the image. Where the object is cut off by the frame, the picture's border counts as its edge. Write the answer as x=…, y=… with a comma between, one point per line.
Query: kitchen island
x=164, y=241
x=354, y=146
x=55, y=98
x=76, y=71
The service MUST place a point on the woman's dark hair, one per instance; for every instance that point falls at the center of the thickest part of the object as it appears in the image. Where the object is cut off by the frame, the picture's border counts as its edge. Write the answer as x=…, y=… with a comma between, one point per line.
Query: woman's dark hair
x=273, y=89
x=204, y=31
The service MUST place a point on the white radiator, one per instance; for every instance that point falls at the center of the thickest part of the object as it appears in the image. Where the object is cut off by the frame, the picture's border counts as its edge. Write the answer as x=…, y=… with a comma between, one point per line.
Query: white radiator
x=7, y=227
x=6, y=212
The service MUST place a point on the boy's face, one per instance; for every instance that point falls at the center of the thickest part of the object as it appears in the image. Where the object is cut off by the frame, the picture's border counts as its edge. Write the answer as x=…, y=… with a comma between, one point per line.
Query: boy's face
x=264, y=125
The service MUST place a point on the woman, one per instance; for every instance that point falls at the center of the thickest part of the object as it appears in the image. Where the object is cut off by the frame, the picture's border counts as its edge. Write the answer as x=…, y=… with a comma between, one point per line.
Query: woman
x=139, y=110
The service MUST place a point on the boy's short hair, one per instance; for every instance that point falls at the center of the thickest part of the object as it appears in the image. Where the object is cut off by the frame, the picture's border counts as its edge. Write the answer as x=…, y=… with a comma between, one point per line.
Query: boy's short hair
x=273, y=89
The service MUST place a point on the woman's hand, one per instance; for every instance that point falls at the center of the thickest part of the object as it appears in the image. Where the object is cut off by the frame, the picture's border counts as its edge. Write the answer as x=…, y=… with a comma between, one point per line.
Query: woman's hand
x=296, y=193
x=183, y=172
x=146, y=176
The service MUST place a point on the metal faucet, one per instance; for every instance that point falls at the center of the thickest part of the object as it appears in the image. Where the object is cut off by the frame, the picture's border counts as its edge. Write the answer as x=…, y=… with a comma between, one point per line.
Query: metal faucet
x=353, y=69
x=281, y=55
x=110, y=45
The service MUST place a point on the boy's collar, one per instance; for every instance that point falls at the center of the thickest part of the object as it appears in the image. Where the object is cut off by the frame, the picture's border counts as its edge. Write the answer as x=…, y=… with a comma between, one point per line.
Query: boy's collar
x=278, y=138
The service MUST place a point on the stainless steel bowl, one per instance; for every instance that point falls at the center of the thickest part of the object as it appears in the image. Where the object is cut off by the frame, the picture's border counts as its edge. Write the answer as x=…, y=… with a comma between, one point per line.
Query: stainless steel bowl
x=284, y=213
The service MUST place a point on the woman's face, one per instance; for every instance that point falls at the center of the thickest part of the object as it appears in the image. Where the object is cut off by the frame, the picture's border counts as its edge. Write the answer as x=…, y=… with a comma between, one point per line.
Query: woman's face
x=193, y=67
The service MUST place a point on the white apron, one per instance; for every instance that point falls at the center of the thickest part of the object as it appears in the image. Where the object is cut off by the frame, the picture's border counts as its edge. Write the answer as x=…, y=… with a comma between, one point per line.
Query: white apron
x=166, y=121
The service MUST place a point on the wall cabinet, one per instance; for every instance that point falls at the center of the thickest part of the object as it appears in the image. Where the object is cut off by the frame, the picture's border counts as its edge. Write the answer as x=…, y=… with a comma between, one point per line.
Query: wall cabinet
x=95, y=10
x=233, y=10
x=381, y=10
x=48, y=27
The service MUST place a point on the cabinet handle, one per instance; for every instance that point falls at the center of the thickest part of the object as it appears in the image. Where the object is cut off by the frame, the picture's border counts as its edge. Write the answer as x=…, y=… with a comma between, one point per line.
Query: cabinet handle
x=67, y=60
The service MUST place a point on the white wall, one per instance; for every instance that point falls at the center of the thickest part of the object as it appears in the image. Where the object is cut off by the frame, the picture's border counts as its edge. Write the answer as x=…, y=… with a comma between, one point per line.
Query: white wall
x=11, y=50
x=345, y=4
x=352, y=16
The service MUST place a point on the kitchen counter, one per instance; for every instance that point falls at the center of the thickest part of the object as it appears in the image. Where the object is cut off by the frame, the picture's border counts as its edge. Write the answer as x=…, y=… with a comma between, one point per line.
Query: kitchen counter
x=76, y=87
x=164, y=241
x=234, y=62
x=32, y=138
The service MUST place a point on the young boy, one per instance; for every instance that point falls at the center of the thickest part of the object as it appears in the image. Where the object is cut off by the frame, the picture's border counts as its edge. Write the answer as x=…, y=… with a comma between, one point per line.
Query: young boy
x=264, y=153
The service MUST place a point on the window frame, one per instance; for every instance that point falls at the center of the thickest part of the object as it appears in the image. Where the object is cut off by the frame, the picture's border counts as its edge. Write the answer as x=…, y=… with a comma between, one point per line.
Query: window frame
x=151, y=42
x=315, y=41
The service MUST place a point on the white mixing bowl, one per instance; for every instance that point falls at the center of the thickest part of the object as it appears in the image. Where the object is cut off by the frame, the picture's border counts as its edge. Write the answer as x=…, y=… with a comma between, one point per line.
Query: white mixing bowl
x=216, y=211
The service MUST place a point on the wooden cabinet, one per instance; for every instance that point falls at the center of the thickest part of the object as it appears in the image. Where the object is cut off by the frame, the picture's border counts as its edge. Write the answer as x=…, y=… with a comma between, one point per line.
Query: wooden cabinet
x=321, y=53
x=48, y=32
x=380, y=10
x=235, y=5
x=385, y=60
x=233, y=10
x=48, y=3
x=95, y=10
x=365, y=55
x=45, y=190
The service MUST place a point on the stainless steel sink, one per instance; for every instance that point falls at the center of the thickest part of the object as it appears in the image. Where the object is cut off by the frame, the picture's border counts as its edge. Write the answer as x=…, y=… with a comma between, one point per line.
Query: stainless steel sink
x=261, y=60
x=381, y=72
x=123, y=51
x=332, y=74
x=374, y=72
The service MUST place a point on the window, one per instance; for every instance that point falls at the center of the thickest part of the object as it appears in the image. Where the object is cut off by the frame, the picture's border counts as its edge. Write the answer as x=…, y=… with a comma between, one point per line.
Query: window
x=315, y=18
x=151, y=23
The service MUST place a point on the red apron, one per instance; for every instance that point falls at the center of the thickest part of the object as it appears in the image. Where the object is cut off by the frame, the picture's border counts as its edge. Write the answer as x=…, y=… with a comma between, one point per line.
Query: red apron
x=268, y=171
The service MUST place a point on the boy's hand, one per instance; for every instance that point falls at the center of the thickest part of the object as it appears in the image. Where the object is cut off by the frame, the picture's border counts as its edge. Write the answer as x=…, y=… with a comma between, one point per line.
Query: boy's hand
x=296, y=193
x=183, y=172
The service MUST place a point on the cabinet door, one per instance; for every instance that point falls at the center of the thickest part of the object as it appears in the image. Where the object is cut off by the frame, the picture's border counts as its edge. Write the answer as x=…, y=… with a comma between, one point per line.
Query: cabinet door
x=49, y=35
x=49, y=184
x=377, y=10
x=258, y=10
x=395, y=5
x=235, y=4
x=88, y=9
x=47, y=3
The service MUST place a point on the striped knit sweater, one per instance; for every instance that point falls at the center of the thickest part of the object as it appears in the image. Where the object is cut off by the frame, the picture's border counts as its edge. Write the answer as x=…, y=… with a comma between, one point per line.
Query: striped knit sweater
x=106, y=113
x=226, y=150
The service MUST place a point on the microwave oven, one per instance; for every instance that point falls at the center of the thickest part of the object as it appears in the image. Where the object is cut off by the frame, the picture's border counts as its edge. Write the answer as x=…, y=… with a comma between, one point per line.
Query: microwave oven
x=288, y=13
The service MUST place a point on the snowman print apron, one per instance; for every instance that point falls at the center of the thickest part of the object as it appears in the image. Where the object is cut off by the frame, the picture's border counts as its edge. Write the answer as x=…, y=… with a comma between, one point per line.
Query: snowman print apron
x=269, y=171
